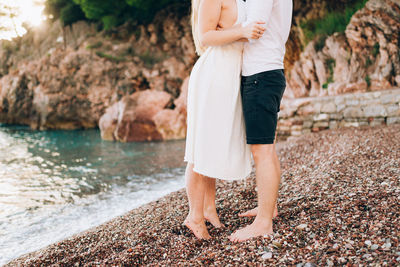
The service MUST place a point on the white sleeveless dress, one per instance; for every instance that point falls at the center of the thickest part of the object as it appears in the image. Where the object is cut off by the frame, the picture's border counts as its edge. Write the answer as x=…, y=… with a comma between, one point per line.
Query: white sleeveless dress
x=216, y=137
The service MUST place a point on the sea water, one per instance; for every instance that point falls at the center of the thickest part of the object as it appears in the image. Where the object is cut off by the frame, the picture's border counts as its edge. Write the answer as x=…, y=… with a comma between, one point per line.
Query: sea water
x=57, y=183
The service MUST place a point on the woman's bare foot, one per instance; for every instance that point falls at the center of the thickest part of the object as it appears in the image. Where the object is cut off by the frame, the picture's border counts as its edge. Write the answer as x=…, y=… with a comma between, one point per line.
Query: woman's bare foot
x=199, y=229
x=253, y=212
x=212, y=216
x=256, y=229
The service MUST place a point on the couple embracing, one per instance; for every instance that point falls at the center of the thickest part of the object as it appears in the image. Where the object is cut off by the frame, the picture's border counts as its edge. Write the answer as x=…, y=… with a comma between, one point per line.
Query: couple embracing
x=235, y=90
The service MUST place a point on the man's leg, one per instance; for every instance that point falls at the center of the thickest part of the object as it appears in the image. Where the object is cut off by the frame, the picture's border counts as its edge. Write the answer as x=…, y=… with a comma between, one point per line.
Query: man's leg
x=210, y=210
x=268, y=178
x=253, y=212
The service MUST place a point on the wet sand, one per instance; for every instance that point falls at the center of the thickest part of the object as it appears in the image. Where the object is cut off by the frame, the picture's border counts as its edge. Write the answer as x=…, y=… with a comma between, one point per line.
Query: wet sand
x=338, y=205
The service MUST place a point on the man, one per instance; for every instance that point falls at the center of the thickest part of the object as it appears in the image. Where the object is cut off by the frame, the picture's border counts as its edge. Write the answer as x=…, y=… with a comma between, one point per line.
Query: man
x=263, y=84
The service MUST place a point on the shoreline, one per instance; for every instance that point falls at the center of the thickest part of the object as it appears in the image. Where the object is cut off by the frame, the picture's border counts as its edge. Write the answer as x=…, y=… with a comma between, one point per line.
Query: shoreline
x=337, y=206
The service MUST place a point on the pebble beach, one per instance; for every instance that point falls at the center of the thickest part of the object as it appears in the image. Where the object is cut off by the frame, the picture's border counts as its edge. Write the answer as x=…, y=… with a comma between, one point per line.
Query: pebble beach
x=338, y=206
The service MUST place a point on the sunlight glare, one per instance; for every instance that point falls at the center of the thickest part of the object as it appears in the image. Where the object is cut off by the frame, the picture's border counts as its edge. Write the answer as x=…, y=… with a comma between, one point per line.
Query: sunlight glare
x=29, y=11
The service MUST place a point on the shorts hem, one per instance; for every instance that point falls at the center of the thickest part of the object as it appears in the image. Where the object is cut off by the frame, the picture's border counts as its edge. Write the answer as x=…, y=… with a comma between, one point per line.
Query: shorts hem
x=261, y=141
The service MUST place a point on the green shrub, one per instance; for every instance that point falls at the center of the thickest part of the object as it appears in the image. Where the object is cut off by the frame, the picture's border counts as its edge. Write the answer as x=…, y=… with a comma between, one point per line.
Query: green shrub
x=368, y=62
x=368, y=80
x=110, y=13
x=149, y=59
x=95, y=45
x=334, y=21
x=110, y=57
x=320, y=43
x=109, y=21
x=375, y=49
x=68, y=11
x=71, y=13
x=331, y=63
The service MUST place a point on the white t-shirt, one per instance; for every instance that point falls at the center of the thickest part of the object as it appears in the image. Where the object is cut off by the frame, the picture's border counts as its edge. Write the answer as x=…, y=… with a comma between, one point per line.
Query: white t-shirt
x=268, y=52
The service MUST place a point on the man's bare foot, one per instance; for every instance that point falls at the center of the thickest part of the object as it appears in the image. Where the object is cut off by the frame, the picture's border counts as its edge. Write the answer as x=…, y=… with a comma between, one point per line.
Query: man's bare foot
x=256, y=229
x=199, y=229
x=212, y=217
x=253, y=212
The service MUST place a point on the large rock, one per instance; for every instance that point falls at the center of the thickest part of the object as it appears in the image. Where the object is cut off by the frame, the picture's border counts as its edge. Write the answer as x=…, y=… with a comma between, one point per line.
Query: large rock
x=109, y=121
x=181, y=102
x=132, y=118
x=143, y=116
x=172, y=123
x=365, y=58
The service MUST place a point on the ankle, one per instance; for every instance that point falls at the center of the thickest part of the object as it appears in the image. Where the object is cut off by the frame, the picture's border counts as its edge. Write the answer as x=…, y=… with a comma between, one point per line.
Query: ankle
x=263, y=221
x=196, y=219
x=210, y=209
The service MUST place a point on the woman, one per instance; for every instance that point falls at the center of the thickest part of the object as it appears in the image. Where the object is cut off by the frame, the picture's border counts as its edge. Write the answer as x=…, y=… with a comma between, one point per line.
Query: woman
x=216, y=144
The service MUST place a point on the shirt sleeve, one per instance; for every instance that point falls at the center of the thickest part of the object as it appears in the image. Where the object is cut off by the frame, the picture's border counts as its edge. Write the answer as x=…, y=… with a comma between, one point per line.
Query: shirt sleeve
x=258, y=10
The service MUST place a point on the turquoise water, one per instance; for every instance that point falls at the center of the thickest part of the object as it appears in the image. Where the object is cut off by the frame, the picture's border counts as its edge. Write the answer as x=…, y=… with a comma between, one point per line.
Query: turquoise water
x=57, y=183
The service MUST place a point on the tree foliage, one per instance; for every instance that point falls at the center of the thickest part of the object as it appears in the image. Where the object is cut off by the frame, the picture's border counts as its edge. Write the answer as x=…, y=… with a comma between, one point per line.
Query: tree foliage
x=10, y=13
x=109, y=12
x=65, y=10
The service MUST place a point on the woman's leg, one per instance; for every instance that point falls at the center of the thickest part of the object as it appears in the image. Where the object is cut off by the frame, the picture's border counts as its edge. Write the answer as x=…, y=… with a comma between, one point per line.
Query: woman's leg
x=210, y=210
x=195, y=188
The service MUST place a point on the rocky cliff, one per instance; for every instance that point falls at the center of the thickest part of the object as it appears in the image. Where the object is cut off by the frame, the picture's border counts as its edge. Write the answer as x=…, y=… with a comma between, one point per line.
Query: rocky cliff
x=364, y=58
x=66, y=79
x=128, y=81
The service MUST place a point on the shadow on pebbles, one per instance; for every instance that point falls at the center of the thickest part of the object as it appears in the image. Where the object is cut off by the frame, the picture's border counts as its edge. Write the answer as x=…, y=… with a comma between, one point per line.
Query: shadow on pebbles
x=338, y=205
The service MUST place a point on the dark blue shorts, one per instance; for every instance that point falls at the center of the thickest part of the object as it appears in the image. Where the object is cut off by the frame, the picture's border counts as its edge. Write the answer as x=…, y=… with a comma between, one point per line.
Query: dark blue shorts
x=261, y=99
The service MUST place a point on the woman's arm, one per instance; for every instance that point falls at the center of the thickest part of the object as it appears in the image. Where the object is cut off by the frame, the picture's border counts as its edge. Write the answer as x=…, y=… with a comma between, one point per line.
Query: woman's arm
x=244, y=40
x=209, y=15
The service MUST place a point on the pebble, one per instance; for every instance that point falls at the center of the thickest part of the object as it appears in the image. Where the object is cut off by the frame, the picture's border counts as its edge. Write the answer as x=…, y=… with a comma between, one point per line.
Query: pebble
x=267, y=255
x=386, y=246
x=277, y=244
x=374, y=247
x=301, y=226
x=352, y=192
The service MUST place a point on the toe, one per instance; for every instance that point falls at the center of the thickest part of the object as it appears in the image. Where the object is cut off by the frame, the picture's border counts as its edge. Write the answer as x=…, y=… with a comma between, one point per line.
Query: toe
x=231, y=237
x=244, y=214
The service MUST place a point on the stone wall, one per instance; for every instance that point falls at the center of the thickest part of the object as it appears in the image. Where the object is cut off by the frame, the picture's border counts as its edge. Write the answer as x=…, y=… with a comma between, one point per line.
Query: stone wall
x=313, y=114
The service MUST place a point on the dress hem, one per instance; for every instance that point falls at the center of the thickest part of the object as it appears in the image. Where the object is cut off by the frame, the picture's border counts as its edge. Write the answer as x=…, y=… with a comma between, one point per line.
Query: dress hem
x=215, y=176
